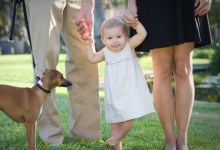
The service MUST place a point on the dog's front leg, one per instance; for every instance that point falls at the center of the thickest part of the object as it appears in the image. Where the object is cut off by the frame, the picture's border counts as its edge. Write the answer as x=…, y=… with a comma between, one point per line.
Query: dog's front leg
x=30, y=134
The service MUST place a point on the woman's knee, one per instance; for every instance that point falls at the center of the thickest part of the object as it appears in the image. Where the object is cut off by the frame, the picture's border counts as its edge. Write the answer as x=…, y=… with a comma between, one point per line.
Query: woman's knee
x=183, y=60
x=164, y=71
x=182, y=69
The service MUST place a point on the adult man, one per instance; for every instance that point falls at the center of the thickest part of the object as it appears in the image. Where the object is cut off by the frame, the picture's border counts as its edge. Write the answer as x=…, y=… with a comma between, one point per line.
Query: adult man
x=48, y=19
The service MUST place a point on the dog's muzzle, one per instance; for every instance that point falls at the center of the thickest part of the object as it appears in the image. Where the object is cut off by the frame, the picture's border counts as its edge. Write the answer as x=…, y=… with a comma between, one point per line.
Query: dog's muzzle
x=66, y=84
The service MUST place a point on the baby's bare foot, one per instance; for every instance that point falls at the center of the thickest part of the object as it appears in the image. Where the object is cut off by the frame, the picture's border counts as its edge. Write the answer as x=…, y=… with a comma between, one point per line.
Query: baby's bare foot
x=112, y=141
x=118, y=146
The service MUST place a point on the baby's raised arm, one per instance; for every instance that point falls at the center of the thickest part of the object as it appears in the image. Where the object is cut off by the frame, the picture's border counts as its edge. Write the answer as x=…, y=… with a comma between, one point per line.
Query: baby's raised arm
x=138, y=38
x=92, y=55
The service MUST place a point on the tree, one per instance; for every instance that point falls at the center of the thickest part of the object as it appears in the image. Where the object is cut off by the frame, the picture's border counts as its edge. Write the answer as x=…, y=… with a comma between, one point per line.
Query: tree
x=214, y=18
x=99, y=17
x=4, y=17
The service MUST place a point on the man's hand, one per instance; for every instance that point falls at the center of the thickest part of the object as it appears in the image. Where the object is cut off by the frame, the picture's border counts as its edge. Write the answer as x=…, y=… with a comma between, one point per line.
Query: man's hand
x=85, y=19
x=84, y=23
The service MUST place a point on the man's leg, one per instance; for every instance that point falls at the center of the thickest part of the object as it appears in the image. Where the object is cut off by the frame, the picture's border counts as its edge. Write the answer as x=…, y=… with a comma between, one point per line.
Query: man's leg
x=84, y=94
x=45, y=20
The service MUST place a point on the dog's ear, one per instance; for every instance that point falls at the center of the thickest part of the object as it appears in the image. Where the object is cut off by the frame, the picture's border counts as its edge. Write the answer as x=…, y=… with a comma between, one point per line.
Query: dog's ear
x=53, y=74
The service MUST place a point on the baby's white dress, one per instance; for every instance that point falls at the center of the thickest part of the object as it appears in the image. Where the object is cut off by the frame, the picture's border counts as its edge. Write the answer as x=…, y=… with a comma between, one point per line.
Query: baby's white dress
x=126, y=92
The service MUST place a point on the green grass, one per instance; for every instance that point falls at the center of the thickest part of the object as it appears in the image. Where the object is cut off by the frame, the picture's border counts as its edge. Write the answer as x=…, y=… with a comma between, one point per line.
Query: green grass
x=147, y=133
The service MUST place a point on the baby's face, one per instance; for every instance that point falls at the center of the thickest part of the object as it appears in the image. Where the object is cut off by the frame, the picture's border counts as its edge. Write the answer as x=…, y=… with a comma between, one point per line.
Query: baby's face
x=114, y=38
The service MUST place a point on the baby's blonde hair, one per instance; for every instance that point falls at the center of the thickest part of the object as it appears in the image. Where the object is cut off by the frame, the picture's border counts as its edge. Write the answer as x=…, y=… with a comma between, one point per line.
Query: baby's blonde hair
x=114, y=22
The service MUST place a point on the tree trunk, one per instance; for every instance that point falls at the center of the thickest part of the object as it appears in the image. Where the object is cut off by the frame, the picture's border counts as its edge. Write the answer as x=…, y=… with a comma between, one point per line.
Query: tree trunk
x=99, y=17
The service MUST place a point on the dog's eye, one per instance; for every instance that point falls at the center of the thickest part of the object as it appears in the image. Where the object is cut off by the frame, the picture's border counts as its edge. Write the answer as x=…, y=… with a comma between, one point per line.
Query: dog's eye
x=61, y=75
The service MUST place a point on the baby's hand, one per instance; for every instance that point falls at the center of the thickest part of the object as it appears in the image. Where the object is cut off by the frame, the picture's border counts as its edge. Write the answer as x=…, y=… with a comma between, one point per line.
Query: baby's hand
x=132, y=22
x=88, y=39
x=134, y=25
x=130, y=15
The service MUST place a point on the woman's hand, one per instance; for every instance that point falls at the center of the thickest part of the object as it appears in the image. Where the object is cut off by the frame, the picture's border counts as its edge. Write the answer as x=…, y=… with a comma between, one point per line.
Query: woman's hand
x=130, y=14
x=202, y=7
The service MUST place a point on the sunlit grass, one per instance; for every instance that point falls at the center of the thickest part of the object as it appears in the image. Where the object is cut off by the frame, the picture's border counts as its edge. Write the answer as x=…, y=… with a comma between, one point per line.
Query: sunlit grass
x=147, y=133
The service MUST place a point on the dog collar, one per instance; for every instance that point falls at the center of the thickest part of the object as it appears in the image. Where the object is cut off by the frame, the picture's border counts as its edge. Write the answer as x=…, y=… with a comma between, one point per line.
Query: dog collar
x=39, y=84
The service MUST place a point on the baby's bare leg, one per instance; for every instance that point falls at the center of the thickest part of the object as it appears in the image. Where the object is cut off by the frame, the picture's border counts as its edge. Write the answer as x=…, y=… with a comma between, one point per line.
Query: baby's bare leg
x=115, y=128
x=118, y=132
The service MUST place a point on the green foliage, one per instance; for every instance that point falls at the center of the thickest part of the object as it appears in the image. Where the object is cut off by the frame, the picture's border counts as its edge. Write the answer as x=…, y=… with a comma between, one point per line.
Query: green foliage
x=118, y=3
x=214, y=19
x=3, y=18
x=215, y=61
x=150, y=84
x=199, y=78
x=201, y=61
x=208, y=94
x=145, y=62
x=214, y=12
x=203, y=53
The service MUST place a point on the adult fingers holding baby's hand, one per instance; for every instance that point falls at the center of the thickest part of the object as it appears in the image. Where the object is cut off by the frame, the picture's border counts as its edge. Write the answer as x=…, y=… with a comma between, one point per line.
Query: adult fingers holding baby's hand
x=131, y=23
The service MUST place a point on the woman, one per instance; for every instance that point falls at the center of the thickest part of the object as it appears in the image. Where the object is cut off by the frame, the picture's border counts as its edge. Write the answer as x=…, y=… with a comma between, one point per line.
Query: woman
x=174, y=28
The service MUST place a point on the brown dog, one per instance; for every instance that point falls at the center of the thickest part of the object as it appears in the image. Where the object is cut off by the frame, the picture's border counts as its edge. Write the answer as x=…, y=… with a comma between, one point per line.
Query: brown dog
x=23, y=105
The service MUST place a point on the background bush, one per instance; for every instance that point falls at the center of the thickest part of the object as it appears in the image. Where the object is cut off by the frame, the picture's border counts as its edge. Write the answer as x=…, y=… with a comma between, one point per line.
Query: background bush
x=215, y=61
x=207, y=52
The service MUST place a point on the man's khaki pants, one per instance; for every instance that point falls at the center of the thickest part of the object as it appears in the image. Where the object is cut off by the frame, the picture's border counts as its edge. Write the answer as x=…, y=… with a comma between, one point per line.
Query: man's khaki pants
x=48, y=19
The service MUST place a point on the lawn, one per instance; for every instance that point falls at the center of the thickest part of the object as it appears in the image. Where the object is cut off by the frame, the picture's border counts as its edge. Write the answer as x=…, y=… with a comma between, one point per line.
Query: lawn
x=147, y=134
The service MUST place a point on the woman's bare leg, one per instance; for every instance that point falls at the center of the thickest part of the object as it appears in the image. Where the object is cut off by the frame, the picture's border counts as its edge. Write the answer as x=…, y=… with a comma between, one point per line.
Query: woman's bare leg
x=118, y=132
x=163, y=94
x=184, y=91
